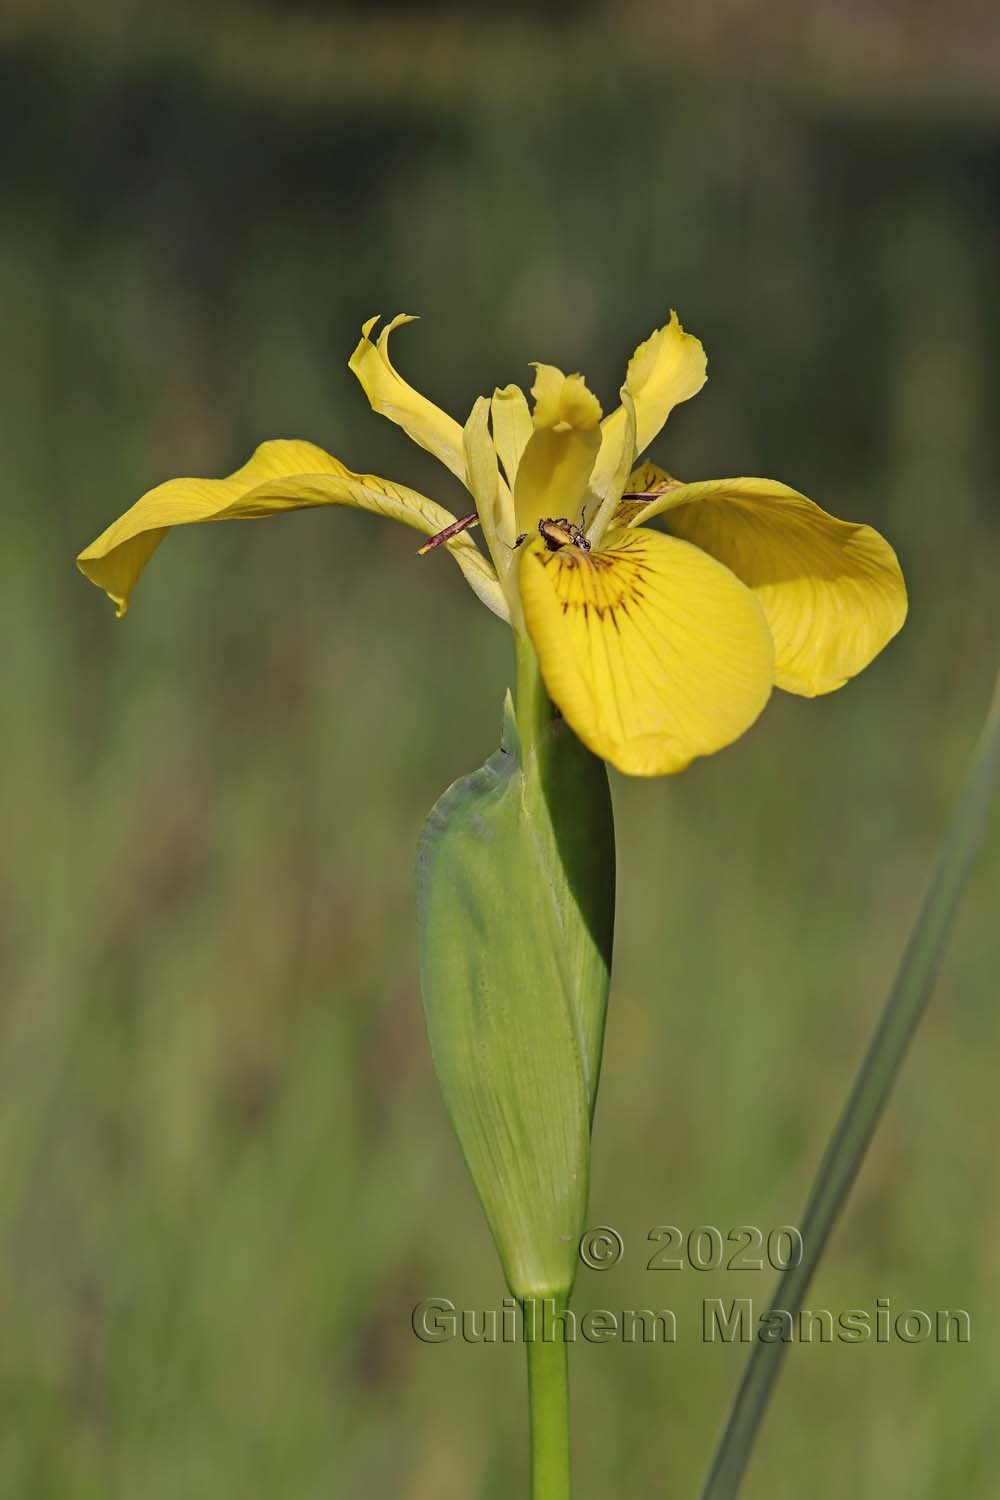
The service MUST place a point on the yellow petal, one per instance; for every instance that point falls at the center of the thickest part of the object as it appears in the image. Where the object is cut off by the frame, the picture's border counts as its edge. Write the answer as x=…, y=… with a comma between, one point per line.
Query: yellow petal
x=605, y=497
x=492, y=497
x=644, y=484
x=563, y=401
x=281, y=476
x=650, y=481
x=391, y=396
x=667, y=369
x=557, y=461
x=512, y=427
x=654, y=652
x=832, y=591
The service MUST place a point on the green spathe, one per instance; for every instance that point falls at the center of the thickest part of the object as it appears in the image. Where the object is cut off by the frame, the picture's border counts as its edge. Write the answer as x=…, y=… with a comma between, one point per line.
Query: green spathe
x=515, y=898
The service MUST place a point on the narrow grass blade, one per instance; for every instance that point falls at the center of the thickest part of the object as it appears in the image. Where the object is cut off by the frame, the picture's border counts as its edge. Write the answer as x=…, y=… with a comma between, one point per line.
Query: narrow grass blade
x=872, y=1087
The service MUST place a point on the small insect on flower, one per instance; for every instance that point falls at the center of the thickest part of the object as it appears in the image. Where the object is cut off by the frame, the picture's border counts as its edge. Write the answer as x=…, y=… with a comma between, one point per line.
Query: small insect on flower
x=562, y=533
x=556, y=534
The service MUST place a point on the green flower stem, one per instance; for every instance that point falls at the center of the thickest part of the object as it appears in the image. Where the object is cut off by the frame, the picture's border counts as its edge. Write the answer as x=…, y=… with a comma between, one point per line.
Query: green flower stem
x=548, y=1372
x=548, y=1400
x=532, y=704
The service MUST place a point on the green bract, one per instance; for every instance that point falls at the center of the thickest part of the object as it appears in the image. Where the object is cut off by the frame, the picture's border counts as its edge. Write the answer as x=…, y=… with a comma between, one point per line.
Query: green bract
x=515, y=895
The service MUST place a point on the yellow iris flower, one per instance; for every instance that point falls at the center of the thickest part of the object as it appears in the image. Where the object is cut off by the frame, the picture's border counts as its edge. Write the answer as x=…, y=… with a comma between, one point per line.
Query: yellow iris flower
x=657, y=646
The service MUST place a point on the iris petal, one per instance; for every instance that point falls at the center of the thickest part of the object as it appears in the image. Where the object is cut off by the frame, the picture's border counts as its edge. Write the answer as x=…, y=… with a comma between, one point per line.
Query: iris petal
x=512, y=427
x=832, y=591
x=670, y=367
x=280, y=476
x=654, y=652
x=556, y=464
x=393, y=397
x=492, y=497
x=607, y=485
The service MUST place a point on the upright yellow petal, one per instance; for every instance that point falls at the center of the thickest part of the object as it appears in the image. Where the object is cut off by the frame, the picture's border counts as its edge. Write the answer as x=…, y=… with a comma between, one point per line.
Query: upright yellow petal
x=832, y=590
x=492, y=497
x=391, y=396
x=654, y=652
x=281, y=476
x=606, y=487
x=512, y=427
x=556, y=464
x=669, y=368
x=563, y=401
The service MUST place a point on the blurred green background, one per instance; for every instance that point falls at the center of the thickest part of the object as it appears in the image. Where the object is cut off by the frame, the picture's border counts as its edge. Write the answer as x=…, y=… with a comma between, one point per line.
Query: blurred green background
x=225, y=1172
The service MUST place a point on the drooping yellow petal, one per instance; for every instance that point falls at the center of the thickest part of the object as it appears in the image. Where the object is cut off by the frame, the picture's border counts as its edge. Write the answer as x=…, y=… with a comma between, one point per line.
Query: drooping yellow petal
x=654, y=652
x=669, y=368
x=512, y=427
x=280, y=476
x=558, y=458
x=832, y=591
x=391, y=396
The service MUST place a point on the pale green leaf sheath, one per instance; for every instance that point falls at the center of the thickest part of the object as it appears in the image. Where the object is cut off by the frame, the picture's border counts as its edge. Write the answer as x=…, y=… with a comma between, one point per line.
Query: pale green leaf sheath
x=515, y=890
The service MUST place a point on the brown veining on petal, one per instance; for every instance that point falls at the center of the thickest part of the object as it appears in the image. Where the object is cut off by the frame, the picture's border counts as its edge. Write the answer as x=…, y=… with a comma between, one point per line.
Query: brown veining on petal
x=601, y=582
